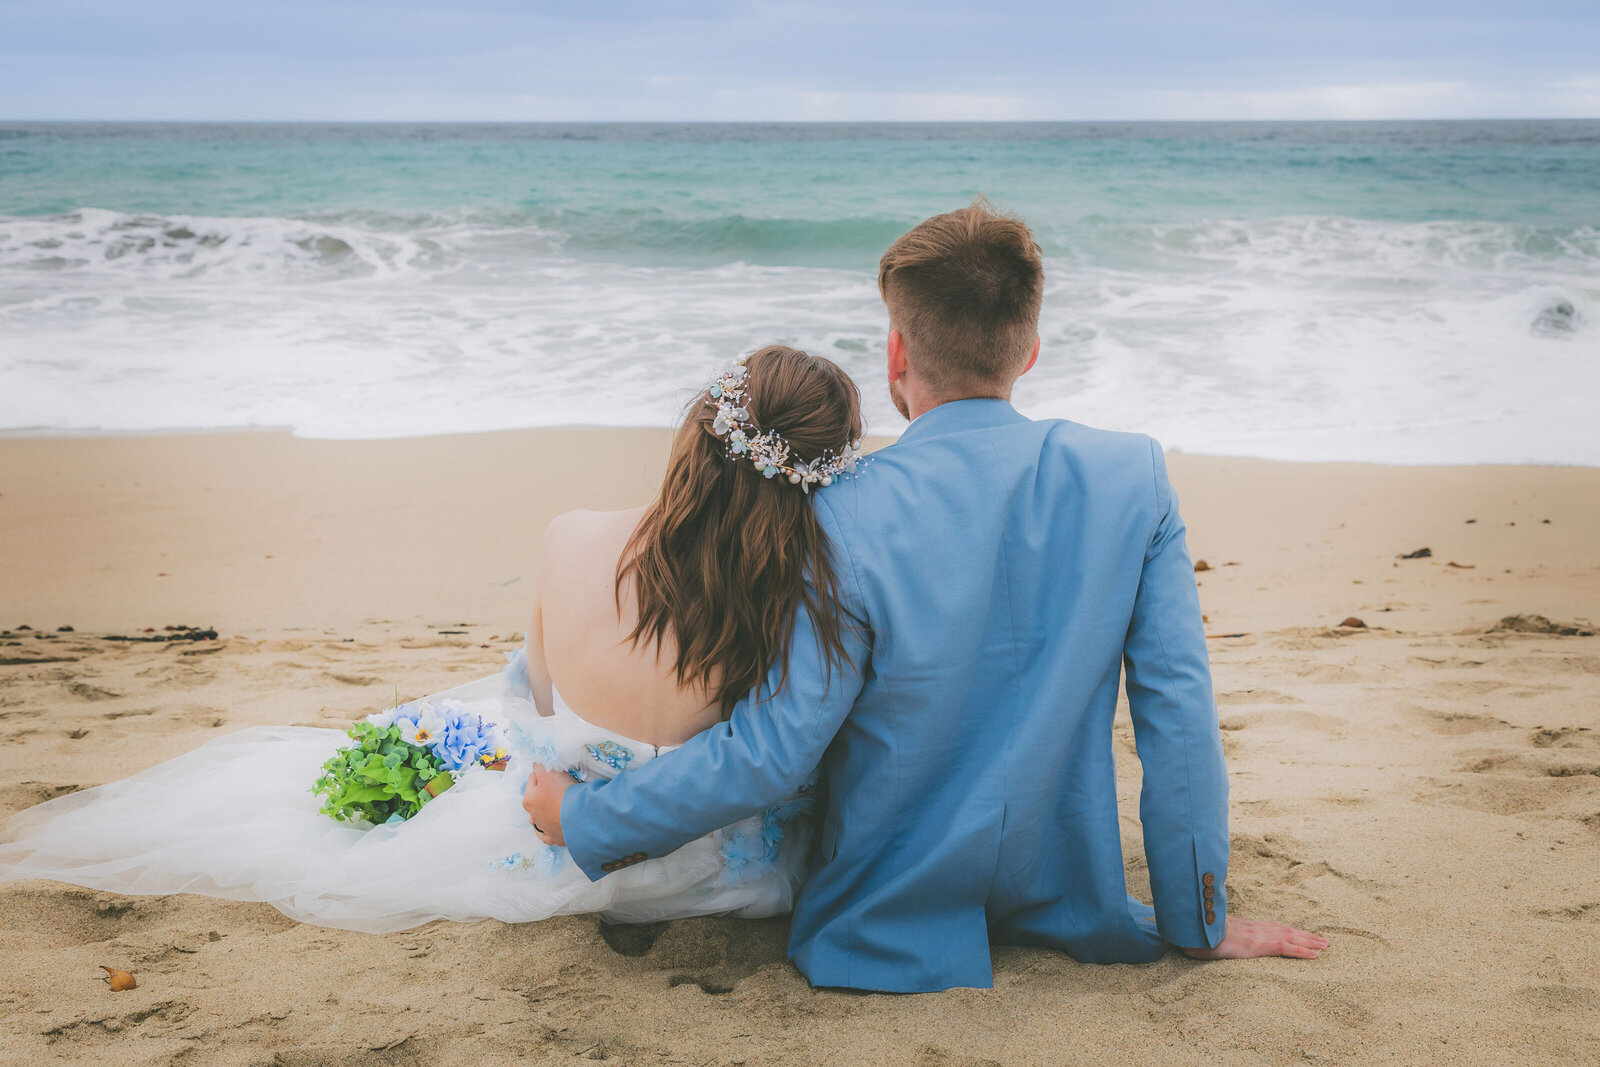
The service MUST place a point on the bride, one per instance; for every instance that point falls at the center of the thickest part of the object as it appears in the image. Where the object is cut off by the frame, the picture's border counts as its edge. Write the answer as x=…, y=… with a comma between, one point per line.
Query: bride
x=650, y=625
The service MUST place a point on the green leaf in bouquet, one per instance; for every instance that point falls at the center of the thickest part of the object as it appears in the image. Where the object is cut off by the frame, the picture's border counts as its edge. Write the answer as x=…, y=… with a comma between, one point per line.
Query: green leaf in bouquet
x=377, y=775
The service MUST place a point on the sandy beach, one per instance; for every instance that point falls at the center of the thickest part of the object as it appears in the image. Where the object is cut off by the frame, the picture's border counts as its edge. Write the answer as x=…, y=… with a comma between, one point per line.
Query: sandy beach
x=1423, y=789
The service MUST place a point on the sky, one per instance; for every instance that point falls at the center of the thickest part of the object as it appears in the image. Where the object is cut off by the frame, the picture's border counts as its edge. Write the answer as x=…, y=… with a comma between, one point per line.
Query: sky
x=677, y=60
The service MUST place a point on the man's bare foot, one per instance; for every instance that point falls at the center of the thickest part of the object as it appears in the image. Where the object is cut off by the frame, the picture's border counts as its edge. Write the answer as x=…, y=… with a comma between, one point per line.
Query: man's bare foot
x=1247, y=939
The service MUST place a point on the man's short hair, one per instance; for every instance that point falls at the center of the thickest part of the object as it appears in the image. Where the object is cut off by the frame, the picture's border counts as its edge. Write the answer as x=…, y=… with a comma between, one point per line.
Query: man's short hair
x=964, y=290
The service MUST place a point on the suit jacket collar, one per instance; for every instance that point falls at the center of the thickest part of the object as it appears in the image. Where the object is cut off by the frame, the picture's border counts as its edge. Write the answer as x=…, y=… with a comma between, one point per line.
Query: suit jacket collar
x=960, y=416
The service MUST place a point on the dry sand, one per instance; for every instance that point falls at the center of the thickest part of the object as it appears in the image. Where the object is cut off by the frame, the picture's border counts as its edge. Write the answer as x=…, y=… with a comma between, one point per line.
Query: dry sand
x=1425, y=791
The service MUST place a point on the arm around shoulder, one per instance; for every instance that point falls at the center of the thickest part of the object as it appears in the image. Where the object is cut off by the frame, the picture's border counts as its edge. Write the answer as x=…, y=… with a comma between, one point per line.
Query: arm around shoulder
x=760, y=756
x=772, y=741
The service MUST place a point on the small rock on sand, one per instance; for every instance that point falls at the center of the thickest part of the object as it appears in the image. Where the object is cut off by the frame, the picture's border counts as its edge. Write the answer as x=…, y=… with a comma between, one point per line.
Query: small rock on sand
x=1353, y=623
x=1421, y=553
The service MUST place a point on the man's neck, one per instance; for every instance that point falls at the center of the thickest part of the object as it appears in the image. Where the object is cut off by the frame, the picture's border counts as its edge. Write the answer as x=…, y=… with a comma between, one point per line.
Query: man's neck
x=922, y=407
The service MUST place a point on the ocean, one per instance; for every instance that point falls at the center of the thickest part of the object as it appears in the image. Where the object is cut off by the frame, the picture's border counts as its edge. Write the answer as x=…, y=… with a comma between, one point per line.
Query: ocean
x=1396, y=292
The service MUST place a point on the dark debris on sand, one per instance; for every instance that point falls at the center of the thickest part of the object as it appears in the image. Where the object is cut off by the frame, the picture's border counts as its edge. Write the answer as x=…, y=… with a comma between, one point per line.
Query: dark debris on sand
x=1538, y=624
x=174, y=633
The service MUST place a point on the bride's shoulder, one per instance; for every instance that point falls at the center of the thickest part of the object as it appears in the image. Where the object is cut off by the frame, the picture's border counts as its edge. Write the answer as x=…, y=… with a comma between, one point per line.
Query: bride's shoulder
x=583, y=532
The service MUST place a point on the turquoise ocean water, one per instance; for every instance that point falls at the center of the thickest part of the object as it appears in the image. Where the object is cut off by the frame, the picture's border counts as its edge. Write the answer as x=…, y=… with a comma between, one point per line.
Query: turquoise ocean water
x=1399, y=292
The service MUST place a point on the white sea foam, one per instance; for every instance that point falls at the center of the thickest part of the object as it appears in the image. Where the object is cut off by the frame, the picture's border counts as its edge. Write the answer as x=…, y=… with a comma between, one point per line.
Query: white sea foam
x=1300, y=338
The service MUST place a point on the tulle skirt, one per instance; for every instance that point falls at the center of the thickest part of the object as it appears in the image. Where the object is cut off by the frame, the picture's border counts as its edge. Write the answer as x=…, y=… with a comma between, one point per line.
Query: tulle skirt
x=236, y=818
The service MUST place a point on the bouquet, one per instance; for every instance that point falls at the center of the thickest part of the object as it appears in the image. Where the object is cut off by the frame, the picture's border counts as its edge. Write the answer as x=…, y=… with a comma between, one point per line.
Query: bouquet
x=403, y=757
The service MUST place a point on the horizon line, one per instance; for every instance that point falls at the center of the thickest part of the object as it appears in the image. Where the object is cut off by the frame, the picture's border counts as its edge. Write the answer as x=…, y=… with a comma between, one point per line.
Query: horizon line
x=793, y=122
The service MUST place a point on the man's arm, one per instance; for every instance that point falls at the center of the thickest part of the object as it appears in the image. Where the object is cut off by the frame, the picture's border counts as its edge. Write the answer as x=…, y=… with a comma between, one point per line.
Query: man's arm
x=1184, y=802
x=761, y=755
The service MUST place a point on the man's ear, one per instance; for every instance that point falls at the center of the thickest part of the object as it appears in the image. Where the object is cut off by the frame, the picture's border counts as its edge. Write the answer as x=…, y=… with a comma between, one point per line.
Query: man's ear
x=1034, y=358
x=897, y=356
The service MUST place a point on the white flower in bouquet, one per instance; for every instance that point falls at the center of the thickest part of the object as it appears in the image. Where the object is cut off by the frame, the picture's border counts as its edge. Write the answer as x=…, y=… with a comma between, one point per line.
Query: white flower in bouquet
x=426, y=729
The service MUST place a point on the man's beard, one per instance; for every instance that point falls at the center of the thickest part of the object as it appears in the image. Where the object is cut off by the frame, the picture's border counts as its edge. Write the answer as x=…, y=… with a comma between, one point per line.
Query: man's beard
x=900, y=404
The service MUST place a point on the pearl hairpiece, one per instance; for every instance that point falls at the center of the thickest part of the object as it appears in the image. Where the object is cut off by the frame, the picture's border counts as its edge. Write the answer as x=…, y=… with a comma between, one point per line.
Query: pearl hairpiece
x=768, y=452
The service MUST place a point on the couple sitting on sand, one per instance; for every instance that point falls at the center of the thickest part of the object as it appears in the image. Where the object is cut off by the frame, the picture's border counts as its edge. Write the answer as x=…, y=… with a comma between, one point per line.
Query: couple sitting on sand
x=879, y=691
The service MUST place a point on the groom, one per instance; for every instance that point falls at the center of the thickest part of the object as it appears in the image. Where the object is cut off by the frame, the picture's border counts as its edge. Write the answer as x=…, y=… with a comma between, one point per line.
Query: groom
x=1005, y=573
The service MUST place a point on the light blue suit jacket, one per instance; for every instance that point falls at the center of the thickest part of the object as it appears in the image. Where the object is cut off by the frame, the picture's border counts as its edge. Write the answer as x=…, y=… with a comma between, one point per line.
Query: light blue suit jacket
x=1008, y=572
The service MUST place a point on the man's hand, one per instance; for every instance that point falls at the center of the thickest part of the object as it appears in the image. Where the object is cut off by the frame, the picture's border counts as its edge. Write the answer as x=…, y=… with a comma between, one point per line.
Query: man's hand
x=542, y=801
x=1247, y=939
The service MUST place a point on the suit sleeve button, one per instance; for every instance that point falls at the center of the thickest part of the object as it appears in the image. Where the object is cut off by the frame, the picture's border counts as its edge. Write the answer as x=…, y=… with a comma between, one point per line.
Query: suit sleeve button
x=1209, y=892
x=640, y=856
x=1208, y=879
x=1211, y=917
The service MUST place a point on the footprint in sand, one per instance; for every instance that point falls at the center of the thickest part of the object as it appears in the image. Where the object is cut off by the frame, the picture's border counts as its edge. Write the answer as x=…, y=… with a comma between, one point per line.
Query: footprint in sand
x=178, y=676
x=14, y=798
x=1564, y=737
x=132, y=713
x=1454, y=722
x=1550, y=777
x=85, y=691
x=1292, y=719
x=1530, y=766
x=938, y=1056
x=205, y=717
x=1270, y=860
x=1562, y=1000
x=1256, y=696
x=1572, y=913
x=353, y=679
x=1329, y=674
x=95, y=1027
x=1450, y=662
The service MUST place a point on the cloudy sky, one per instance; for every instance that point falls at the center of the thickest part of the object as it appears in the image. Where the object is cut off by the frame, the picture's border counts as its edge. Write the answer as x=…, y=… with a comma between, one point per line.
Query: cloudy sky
x=799, y=60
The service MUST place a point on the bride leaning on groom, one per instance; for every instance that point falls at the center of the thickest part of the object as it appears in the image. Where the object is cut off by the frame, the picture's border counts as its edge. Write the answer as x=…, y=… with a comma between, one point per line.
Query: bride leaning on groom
x=913, y=657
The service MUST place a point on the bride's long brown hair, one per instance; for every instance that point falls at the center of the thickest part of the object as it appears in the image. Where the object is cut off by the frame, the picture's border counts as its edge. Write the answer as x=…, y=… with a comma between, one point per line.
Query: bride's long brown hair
x=725, y=557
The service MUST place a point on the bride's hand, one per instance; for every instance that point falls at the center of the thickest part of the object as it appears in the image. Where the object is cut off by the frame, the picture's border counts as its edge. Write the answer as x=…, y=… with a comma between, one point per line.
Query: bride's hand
x=542, y=801
x=1247, y=939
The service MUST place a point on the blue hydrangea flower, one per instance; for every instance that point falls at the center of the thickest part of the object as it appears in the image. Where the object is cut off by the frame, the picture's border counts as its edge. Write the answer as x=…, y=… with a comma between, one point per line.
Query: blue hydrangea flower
x=464, y=737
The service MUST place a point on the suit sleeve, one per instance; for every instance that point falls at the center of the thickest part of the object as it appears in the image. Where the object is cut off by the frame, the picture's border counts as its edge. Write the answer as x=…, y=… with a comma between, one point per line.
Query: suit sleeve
x=760, y=756
x=1183, y=804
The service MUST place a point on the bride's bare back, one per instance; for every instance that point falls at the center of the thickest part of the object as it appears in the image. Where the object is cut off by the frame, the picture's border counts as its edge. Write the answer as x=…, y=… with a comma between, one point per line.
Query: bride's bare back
x=584, y=646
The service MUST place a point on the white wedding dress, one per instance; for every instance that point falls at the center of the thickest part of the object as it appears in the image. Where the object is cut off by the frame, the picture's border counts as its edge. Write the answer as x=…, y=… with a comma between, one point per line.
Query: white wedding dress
x=236, y=818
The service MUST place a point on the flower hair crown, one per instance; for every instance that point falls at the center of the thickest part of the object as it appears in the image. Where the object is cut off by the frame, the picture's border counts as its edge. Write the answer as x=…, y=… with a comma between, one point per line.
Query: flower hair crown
x=768, y=452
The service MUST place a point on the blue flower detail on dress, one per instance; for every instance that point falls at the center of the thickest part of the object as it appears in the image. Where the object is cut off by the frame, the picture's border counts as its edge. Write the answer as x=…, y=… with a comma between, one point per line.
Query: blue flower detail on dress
x=744, y=857
x=516, y=672
x=578, y=774
x=748, y=854
x=546, y=859
x=538, y=750
x=612, y=754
